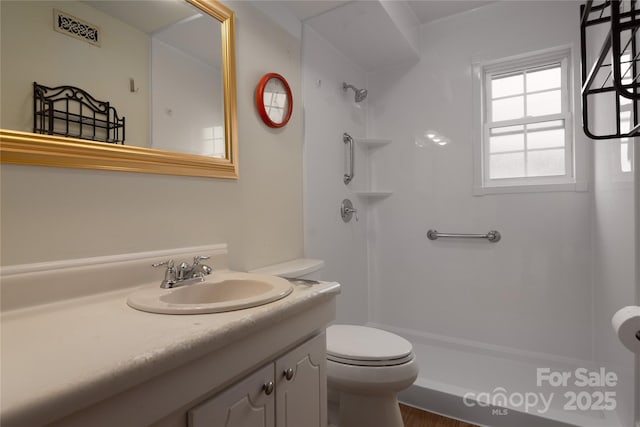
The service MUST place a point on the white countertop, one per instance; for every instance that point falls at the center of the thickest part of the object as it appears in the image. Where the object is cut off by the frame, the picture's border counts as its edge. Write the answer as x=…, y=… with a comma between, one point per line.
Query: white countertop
x=61, y=357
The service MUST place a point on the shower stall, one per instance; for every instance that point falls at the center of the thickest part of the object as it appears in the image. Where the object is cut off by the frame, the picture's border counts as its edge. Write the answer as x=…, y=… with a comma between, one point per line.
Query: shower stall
x=493, y=324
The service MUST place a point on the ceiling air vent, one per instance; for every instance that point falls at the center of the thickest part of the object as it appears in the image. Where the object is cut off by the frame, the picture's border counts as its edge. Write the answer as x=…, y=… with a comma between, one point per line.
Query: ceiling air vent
x=76, y=28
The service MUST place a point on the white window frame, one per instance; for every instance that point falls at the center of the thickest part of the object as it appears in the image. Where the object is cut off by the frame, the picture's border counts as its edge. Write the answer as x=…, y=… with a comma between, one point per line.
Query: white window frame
x=482, y=75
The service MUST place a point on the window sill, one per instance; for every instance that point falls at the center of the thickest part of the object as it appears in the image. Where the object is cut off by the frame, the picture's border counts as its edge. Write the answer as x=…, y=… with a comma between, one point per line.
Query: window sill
x=531, y=188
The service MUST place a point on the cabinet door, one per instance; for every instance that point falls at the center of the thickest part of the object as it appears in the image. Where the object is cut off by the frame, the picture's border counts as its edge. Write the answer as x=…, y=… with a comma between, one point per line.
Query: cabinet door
x=246, y=404
x=301, y=386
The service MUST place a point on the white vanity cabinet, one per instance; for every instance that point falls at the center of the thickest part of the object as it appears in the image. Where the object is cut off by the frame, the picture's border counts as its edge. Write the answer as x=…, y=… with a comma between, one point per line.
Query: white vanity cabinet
x=245, y=404
x=289, y=392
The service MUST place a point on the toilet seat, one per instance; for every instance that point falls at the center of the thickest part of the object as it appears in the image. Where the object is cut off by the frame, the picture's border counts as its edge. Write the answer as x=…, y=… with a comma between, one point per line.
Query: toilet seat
x=364, y=346
x=355, y=362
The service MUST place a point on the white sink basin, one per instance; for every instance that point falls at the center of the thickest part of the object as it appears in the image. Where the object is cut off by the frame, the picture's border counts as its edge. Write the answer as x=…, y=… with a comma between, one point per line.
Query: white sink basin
x=225, y=291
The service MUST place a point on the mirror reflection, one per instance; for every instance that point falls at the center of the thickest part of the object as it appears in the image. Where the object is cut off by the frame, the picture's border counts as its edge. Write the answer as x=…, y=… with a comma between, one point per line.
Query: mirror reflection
x=158, y=63
x=276, y=100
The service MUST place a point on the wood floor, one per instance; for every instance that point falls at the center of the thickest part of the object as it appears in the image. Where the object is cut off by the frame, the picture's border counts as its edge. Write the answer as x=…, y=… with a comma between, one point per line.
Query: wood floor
x=413, y=417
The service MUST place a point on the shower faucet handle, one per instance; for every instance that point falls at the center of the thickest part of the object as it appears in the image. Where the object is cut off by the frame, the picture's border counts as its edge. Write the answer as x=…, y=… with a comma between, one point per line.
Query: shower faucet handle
x=347, y=211
x=352, y=211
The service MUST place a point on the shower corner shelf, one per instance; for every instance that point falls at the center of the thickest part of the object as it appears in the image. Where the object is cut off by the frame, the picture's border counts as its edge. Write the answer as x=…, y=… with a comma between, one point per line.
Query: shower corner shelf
x=372, y=142
x=616, y=69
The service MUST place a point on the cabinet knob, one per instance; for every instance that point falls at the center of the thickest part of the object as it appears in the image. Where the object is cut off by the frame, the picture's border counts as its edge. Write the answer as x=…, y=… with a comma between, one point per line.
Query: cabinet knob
x=268, y=388
x=288, y=374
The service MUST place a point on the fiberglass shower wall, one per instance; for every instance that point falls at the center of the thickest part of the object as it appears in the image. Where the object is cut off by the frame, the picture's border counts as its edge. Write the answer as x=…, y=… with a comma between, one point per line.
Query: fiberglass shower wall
x=329, y=112
x=549, y=288
x=530, y=291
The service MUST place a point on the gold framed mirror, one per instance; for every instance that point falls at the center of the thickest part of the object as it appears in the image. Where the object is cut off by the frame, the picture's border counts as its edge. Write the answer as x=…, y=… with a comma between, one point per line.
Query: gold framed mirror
x=18, y=146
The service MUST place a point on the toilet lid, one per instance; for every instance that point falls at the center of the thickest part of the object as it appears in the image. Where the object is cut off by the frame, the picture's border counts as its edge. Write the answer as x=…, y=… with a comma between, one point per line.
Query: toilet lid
x=350, y=343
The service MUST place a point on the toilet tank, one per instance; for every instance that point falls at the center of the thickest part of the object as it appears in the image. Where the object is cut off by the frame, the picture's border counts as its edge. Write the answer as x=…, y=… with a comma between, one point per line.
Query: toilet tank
x=301, y=268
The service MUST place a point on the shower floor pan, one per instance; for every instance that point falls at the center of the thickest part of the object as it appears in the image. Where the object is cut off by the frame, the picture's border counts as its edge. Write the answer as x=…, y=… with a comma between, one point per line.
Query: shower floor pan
x=456, y=379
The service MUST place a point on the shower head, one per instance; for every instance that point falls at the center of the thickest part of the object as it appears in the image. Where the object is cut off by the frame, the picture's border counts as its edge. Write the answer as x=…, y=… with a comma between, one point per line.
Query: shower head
x=361, y=94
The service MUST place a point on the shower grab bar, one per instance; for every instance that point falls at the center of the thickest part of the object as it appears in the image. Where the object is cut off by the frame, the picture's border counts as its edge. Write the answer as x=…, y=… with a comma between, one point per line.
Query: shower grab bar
x=493, y=236
x=346, y=138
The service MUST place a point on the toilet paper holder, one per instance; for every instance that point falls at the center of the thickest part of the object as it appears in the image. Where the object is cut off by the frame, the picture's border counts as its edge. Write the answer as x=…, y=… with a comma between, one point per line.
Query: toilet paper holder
x=626, y=324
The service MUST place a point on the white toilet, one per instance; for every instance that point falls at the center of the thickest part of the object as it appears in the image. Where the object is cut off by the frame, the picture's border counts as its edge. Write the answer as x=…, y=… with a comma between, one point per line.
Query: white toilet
x=366, y=367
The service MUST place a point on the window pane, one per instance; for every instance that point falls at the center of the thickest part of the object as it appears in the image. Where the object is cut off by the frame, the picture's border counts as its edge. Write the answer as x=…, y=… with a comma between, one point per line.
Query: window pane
x=545, y=139
x=276, y=114
x=625, y=157
x=624, y=101
x=544, y=79
x=507, y=86
x=625, y=120
x=510, y=142
x=544, y=103
x=506, y=165
x=507, y=109
x=545, y=162
x=280, y=100
x=626, y=69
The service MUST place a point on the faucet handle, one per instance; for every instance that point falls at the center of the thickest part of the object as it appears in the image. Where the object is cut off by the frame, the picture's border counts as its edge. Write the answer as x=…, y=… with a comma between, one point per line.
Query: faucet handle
x=200, y=270
x=198, y=258
x=169, y=275
x=168, y=263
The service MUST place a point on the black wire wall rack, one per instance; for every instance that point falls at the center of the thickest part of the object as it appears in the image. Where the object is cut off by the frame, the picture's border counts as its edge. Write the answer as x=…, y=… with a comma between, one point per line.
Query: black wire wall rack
x=614, y=75
x=72, y=112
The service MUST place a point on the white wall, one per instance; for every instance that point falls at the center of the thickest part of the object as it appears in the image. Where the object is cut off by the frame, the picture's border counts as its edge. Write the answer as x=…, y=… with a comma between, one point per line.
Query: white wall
x=184, y=110
x=532, y=290
x=56, y=213
x=329, y=112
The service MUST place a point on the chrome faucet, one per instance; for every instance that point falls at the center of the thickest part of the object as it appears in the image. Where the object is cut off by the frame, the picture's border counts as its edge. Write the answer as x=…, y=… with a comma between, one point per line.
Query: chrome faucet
x=185, y=274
